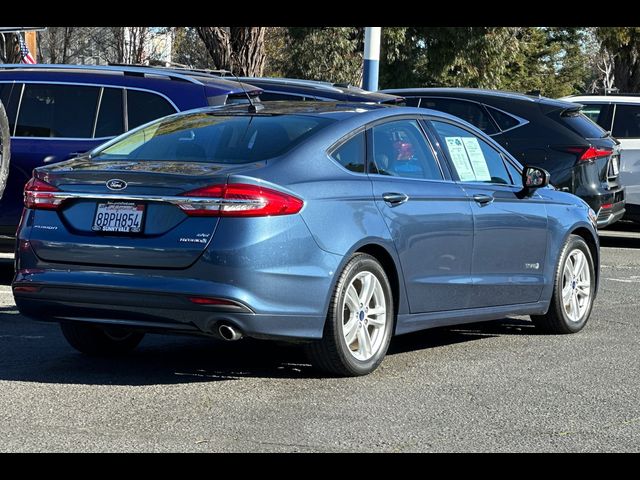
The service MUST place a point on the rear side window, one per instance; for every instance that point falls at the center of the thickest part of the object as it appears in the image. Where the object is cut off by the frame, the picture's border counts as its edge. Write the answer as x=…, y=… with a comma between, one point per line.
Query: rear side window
x=626, y=123
x=203, y=137
x=504, y=120
x=111, y=115
x=66, y=111
x=142, y=107
x=468, y=111
x=581, y=124
x=10, y=97
x=351, y=154
x=474, y=160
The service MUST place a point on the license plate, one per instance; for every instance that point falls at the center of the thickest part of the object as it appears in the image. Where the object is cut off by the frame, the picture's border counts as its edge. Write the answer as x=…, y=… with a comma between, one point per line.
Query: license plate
x=118, y=217
x=615, y=165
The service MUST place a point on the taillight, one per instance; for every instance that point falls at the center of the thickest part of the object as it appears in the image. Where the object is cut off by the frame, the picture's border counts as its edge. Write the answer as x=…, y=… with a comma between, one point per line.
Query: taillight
x=589, y=153
x=241, y=200
x=39, y=195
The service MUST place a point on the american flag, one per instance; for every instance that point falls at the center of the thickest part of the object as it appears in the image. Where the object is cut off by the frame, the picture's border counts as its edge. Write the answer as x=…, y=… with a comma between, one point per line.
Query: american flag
x=24, y=52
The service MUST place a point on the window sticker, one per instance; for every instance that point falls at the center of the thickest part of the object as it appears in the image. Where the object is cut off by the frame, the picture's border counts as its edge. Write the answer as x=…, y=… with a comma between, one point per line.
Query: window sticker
x=460, y=159
x=476, y=157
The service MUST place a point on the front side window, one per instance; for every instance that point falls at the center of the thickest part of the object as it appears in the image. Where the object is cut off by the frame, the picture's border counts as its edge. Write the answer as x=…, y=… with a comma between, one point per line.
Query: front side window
x=205, y=137
x=400, y=149
x=143, y=107
x=65, y=111
x=351, y=153
x=626, y=123
x=474, y=160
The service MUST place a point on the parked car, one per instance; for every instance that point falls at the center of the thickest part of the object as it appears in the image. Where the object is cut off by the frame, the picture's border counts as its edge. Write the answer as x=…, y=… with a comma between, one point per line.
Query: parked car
x=5, y=152
x=620, y=114
x=58, y=111
x=310, y=90
x=582, y=157
x=333, y=224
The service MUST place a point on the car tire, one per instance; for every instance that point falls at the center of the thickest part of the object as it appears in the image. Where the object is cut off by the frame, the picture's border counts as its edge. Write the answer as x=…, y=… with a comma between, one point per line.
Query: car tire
x=100, y=341
x=5, y=148
x=573, y=290
x=359, y=323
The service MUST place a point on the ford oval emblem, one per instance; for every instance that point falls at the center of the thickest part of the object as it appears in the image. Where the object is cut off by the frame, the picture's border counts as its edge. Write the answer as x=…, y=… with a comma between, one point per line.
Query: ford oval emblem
x=115, y=184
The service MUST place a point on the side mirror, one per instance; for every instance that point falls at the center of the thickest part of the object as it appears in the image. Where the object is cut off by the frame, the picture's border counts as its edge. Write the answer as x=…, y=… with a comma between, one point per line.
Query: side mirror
x=534, y=177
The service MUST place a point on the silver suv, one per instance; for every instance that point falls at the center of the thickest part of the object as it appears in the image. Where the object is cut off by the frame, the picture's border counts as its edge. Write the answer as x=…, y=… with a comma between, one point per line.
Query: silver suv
x=620, y=114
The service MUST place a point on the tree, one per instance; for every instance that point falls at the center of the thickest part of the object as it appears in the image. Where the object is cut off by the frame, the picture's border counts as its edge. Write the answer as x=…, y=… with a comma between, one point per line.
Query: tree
x=332, y=54
x=57, y=44
x=9, y=48
x=553, y=61
x=622, y=45
x=189, y=49
x=238, y=49
x=548, y=60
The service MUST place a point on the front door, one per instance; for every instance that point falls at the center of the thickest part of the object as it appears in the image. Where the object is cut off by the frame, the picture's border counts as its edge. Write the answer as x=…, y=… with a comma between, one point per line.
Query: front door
x=510, y=231
x=428, y=215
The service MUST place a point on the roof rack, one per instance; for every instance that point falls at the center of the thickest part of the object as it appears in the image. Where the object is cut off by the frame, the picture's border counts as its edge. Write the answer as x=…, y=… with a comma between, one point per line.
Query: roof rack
x=125, y=70
x=609, y=94
x=177, y=68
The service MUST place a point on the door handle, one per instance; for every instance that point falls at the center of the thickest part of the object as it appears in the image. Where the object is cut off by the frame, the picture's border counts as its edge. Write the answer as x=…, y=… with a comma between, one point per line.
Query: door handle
x=394, y=199
x=482, y=199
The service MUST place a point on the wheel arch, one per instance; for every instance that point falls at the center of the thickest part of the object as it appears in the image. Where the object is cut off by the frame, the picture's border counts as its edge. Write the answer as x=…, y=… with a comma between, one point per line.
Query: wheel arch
x=385, y=254
x=594, y=247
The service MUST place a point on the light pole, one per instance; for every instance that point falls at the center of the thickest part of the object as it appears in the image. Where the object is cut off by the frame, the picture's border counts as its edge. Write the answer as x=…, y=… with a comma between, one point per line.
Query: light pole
x=371, y=58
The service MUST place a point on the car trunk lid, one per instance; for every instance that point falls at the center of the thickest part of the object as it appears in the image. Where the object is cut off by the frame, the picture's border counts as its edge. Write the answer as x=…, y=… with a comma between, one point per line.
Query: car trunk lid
x=122, y=213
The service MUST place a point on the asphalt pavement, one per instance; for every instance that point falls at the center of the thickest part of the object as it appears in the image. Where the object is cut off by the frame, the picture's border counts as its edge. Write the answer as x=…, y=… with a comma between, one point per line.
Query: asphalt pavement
x=496, y=386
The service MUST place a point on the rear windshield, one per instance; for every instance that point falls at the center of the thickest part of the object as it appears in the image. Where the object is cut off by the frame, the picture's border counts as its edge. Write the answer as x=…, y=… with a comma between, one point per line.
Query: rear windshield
x=581, y=124
x=203, y=137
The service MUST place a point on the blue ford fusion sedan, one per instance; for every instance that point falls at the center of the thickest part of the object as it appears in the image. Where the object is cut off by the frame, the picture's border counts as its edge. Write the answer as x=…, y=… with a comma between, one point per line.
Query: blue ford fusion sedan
x=335, y=225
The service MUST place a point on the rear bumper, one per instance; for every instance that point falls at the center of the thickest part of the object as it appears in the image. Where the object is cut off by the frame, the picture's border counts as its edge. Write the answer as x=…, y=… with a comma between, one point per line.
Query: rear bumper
x=610, y=216
x=151, y=311
x=609, y=205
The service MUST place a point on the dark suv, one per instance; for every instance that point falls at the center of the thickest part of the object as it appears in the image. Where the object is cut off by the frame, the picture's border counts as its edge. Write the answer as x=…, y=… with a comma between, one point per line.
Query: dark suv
x=301, y=90
x=582, y=157
x=58, y=111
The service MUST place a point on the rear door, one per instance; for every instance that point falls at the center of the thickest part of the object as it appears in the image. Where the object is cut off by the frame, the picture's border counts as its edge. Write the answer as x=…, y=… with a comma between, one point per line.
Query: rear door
x=510, y=232
x=428, y=215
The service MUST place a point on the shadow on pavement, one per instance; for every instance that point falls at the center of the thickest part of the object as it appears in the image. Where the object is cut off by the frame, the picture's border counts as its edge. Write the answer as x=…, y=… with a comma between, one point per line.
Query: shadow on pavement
x=37, y=352
x=6, y=271
x=619, y=242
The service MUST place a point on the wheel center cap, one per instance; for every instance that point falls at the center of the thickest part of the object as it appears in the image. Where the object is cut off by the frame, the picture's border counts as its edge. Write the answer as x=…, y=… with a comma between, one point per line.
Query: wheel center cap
x=361, y=315
x=573, y=284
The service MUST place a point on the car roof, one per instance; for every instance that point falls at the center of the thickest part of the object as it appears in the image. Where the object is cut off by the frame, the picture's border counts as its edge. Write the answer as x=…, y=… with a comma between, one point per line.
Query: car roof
x=337, y=110
x=320, y=89
x=129, y=71
x=479, y=93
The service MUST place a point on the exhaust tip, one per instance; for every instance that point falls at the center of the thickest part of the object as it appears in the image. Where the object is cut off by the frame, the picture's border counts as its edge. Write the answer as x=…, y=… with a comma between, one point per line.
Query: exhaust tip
x=229, y=333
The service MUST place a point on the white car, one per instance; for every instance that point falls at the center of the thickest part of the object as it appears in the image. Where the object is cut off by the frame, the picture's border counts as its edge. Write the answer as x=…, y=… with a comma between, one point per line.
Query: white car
x=620, y=114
